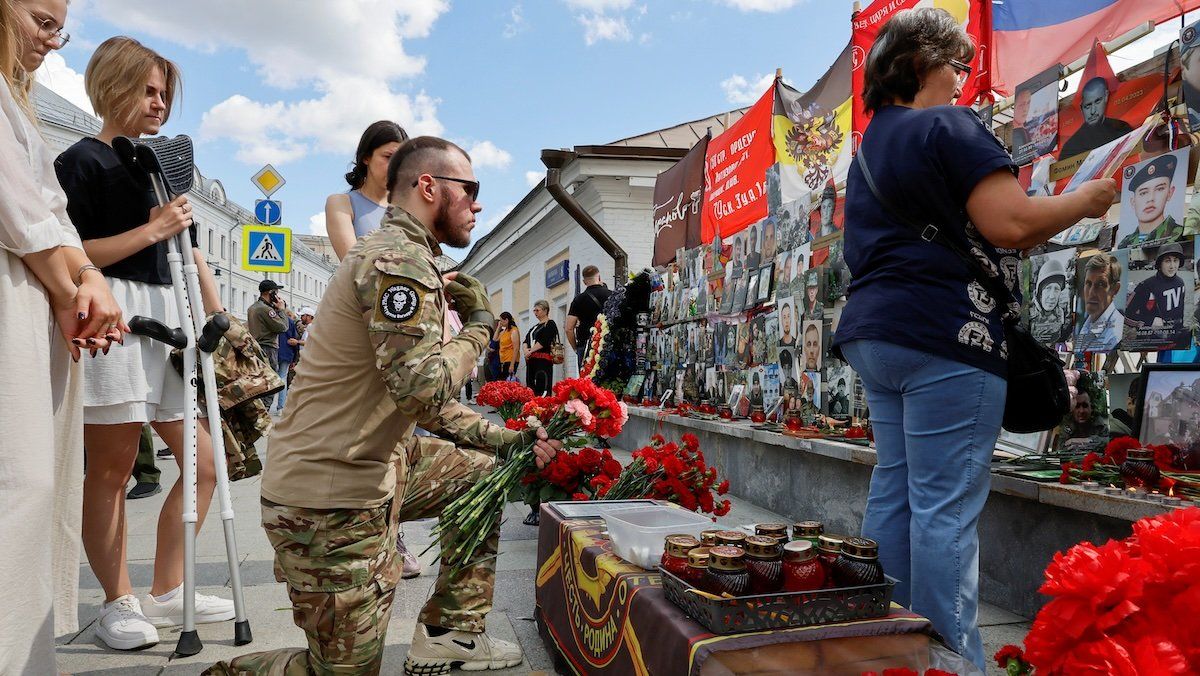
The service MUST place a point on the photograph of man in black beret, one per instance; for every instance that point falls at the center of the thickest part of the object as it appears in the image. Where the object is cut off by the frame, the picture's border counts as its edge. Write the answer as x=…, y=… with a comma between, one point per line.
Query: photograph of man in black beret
x=1152, y=200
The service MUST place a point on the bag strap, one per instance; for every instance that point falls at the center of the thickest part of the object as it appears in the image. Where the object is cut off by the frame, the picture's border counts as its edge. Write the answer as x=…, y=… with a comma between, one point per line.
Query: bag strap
x=932, y=233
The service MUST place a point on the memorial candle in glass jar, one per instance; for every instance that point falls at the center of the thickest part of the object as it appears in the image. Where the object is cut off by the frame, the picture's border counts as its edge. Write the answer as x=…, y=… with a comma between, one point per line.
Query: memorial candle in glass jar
x=697, y=568
x=775, y=530
x=801, y=569
x=807, y=530
x=727, y=571
x=1139, y=470
x=764, y=562
x=708, y=538
x=675, y=554
x=828, y=548
x=731, y=538
x=858, y=563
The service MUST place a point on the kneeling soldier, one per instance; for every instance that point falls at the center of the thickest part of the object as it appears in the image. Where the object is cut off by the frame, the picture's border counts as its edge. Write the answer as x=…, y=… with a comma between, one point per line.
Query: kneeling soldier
x=344, y=467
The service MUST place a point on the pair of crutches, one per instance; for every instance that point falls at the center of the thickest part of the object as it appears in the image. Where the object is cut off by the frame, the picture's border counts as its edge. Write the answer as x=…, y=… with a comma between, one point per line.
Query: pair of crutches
x=168, y=166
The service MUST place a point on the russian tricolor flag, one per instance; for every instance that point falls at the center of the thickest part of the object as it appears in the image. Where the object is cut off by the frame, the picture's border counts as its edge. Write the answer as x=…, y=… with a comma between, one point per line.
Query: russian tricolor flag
x=1032, y=35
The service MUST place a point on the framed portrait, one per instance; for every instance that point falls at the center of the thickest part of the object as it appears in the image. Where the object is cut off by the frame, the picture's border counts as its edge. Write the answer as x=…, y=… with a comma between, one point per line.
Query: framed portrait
x=1035, y=115
x=751, y=290
x=1100, y=308
x=1152, y=204
x=1050, y=290
x=814, y=345
x=1160, y=299
x=1170, y=409
x=766, y=275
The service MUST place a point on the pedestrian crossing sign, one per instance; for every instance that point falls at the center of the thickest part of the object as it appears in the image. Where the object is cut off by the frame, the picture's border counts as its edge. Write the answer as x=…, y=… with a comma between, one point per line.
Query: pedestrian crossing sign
x=266, y=249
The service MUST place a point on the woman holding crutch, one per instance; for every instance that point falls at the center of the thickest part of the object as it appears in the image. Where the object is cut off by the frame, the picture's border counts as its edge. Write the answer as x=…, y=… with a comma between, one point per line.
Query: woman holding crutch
x=132, y=88
x=53, y=303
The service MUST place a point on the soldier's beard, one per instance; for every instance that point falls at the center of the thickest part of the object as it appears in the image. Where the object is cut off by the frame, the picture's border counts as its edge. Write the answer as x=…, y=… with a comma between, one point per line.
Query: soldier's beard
x=447, y=231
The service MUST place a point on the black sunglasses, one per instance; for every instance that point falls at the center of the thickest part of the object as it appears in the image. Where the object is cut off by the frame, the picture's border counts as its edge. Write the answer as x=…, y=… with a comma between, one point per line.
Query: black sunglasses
x=470, y=187
x=960, y=66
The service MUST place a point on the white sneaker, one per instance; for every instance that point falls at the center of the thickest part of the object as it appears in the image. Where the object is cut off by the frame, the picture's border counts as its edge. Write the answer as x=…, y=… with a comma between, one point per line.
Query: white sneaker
x=433, y=655
x=170, y=613
x=122, y=625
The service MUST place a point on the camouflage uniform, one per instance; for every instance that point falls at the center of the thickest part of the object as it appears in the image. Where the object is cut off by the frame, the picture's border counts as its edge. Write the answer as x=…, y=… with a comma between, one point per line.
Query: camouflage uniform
x=335, y=548
x=265, y=324
x=1168, y=230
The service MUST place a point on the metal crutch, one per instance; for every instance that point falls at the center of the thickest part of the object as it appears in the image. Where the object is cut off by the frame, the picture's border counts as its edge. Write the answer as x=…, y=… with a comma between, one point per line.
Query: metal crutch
x=168, y=165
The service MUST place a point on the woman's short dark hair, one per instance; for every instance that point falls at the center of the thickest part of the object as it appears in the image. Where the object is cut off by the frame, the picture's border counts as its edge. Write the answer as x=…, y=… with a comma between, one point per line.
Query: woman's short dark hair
x=910, y=45
x=379, y=133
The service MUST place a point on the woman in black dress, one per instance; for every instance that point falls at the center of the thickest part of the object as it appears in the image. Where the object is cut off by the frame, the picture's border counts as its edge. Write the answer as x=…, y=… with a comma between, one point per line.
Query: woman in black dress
x=539, y=367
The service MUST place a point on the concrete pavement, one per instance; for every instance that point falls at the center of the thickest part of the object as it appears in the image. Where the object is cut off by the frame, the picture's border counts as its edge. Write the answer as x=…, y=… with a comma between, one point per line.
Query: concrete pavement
x=270, y=610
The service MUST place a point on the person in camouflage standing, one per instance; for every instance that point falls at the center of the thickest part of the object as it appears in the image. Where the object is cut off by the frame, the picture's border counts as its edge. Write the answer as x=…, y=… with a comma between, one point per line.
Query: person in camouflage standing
x=337, y=483
x=266, y=320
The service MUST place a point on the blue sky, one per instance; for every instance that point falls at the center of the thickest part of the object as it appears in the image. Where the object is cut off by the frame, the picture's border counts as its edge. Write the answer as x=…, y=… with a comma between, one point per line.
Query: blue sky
x=294, y=82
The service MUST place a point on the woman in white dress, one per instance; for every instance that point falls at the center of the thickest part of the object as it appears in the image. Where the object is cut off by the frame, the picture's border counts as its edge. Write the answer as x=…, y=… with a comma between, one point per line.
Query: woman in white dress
x=53, y=302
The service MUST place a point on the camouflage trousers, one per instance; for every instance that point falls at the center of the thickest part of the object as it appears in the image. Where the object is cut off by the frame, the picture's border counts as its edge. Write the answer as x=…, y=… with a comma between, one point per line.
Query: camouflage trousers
x=341, y=568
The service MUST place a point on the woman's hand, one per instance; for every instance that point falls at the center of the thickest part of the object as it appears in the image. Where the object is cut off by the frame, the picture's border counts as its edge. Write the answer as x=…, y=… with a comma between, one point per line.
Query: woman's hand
x=90, y=319
x=170, y=219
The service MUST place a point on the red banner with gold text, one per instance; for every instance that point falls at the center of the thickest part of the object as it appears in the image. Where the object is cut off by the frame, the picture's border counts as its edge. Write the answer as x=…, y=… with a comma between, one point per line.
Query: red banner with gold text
x=735, y=172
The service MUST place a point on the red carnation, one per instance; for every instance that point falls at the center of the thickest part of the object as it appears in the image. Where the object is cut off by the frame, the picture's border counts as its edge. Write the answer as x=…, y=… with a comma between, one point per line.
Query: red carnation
x=1116, y=449
x=580, y=497
x=723, y=488
x=1090, y=460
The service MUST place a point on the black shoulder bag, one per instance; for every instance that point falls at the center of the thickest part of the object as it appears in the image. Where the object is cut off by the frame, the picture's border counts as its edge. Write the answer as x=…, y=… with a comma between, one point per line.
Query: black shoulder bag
x=1038, y=397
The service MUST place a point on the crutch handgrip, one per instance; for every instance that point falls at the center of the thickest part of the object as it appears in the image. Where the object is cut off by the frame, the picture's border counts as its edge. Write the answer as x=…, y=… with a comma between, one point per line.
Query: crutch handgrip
x=211, y=334
x=156, y=330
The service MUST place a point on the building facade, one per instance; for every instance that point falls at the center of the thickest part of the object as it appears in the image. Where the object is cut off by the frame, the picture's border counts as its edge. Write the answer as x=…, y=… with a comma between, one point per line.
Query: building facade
x=218, y=221
x=522, y=259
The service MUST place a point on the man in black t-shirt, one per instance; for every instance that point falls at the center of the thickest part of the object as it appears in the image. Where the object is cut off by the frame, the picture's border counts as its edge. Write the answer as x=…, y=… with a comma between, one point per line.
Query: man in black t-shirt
x=581, y=316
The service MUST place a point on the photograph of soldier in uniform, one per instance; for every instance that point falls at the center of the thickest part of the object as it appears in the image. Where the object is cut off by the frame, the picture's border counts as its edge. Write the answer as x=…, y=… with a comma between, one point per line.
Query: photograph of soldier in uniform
x=1086, y=424
x=770, y=241
x=731, y=345
x=737, y=299
x=783, y=272
x=758, y=340
x=814, y=345
x=838, y=378
x=744, y=345
x=718, y=340
x=1098, y=128
x=756, y=387
x=1189, y=40
x=800, y=258
x=1171, y=406
x=787, y=324
x=753, y=247
x=1161, y=297
x=793, y=223
x=771, y=337
x=766, y=275
x=774, y=190
x=771, y=386
x=827, y=218
x=1152, y=200
x=1098, y=285
x=814, y=307
x=1051, y=319
x=788, y=361
x=751, y=275
x=810, y=391
x=1035, y=116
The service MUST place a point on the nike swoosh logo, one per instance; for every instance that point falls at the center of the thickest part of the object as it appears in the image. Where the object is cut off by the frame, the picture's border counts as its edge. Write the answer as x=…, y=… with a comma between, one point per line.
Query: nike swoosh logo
x=468, y=646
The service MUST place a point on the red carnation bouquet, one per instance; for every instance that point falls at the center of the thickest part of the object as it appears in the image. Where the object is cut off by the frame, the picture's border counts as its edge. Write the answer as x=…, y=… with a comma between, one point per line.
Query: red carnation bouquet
x=577, y=407
x=669, y=471
x=505, y=396
x=1125, y=607
x=1176, y=473
x=571, y=476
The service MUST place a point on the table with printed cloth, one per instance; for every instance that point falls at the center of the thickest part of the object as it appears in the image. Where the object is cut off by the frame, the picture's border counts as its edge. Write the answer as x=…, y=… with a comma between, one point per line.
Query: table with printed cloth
x=600, y=614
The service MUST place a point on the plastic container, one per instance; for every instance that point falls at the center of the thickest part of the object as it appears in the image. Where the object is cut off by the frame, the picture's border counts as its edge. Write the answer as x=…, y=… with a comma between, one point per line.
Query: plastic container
x=638, y=534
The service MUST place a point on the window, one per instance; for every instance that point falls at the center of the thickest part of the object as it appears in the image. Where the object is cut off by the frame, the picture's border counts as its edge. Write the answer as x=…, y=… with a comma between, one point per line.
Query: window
x=520, y=301
x=211, y=248
x=222, y=246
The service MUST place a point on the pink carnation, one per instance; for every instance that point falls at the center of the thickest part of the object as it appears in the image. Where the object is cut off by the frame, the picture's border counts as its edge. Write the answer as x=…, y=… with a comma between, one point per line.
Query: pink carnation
x=580, y=410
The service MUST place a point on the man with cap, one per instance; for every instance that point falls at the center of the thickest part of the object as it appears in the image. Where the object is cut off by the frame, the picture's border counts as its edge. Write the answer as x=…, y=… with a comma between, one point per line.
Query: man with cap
x=1158, y=302
x=1152, y=188
x=1048, y=311
x=839, y=403
x=813, y=307
x=827, y=207
x=1097, y=129
x=1101, y=330
x=265, y=319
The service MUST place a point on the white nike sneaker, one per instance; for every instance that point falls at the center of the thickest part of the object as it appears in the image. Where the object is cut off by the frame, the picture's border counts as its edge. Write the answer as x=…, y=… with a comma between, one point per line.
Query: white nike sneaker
x=170, y=613
x=122, y=626
x=434, y=655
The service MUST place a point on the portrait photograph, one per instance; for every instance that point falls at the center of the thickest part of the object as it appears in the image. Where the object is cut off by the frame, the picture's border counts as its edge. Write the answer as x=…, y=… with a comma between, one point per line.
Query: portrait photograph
x=770, y=239
x=1124, y=402
x=1049, y=290
x=751, y=300
x=1160, y=301
x=782, y=272
x=1100, y=302
x=1035, y=116
x=810, y=389
x=1152, y=200
x=1104, y=109
x=786, y=309
x=766, y=279
x=814, y=293
x=827, y=217
x=839, y=383
x=774, y=190
x=800, y=265
x=813, y=345
x=771, y=337
x=1170, y=412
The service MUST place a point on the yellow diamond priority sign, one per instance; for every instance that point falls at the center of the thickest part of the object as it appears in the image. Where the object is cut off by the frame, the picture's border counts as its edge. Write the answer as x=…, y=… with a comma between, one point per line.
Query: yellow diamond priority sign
x=268, y=180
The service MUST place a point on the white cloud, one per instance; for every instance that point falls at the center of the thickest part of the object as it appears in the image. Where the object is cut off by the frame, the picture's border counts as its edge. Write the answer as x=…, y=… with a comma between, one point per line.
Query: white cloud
x=762, y=5
x=486, y=154
x=534, y=177
x=316, y=224
x=516, y=22
x=349, y=53
x=742, y=91
x=61, y=79
x=597, y=27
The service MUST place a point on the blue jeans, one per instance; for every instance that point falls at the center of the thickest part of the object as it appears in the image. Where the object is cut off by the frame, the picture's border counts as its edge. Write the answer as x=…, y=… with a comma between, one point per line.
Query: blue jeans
x=935, y=423
x=281, y=396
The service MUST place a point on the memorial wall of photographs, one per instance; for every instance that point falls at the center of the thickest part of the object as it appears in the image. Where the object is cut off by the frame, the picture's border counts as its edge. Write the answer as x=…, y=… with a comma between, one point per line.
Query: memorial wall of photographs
x=1126, y=282
x=746, y=321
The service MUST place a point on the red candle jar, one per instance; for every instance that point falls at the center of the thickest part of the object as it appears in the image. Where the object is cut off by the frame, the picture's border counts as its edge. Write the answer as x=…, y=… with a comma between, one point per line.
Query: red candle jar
x=727, y=571
x=708, y=538
x=724, y=412
x=1139, y=470
x=764, y=563
x=757, y=415
x=707, y=408
x=675, y=554
x=696, y=572
x=856, y=432
x=802, y=571
x=793, y=420
x=858, y=564
x=731, y=538
x=829, y=546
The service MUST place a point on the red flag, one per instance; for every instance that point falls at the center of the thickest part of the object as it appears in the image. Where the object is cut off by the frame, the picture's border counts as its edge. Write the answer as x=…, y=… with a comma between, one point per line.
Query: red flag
x=1097, y=66
x=735, y=172
x=976, y=18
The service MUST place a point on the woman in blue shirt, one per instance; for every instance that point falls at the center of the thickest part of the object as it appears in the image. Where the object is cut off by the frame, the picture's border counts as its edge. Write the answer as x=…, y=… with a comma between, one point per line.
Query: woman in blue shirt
x=925, y=337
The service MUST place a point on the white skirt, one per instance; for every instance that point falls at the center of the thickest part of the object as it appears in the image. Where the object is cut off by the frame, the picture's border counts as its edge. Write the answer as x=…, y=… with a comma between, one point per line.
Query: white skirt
x=135, y=382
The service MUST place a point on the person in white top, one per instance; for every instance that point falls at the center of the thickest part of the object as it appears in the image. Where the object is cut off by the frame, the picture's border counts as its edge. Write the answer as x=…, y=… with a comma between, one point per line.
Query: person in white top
x=53, y=303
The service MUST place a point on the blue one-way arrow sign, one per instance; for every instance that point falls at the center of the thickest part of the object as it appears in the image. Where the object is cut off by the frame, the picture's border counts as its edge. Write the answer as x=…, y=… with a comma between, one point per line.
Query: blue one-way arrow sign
x=268, y=212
